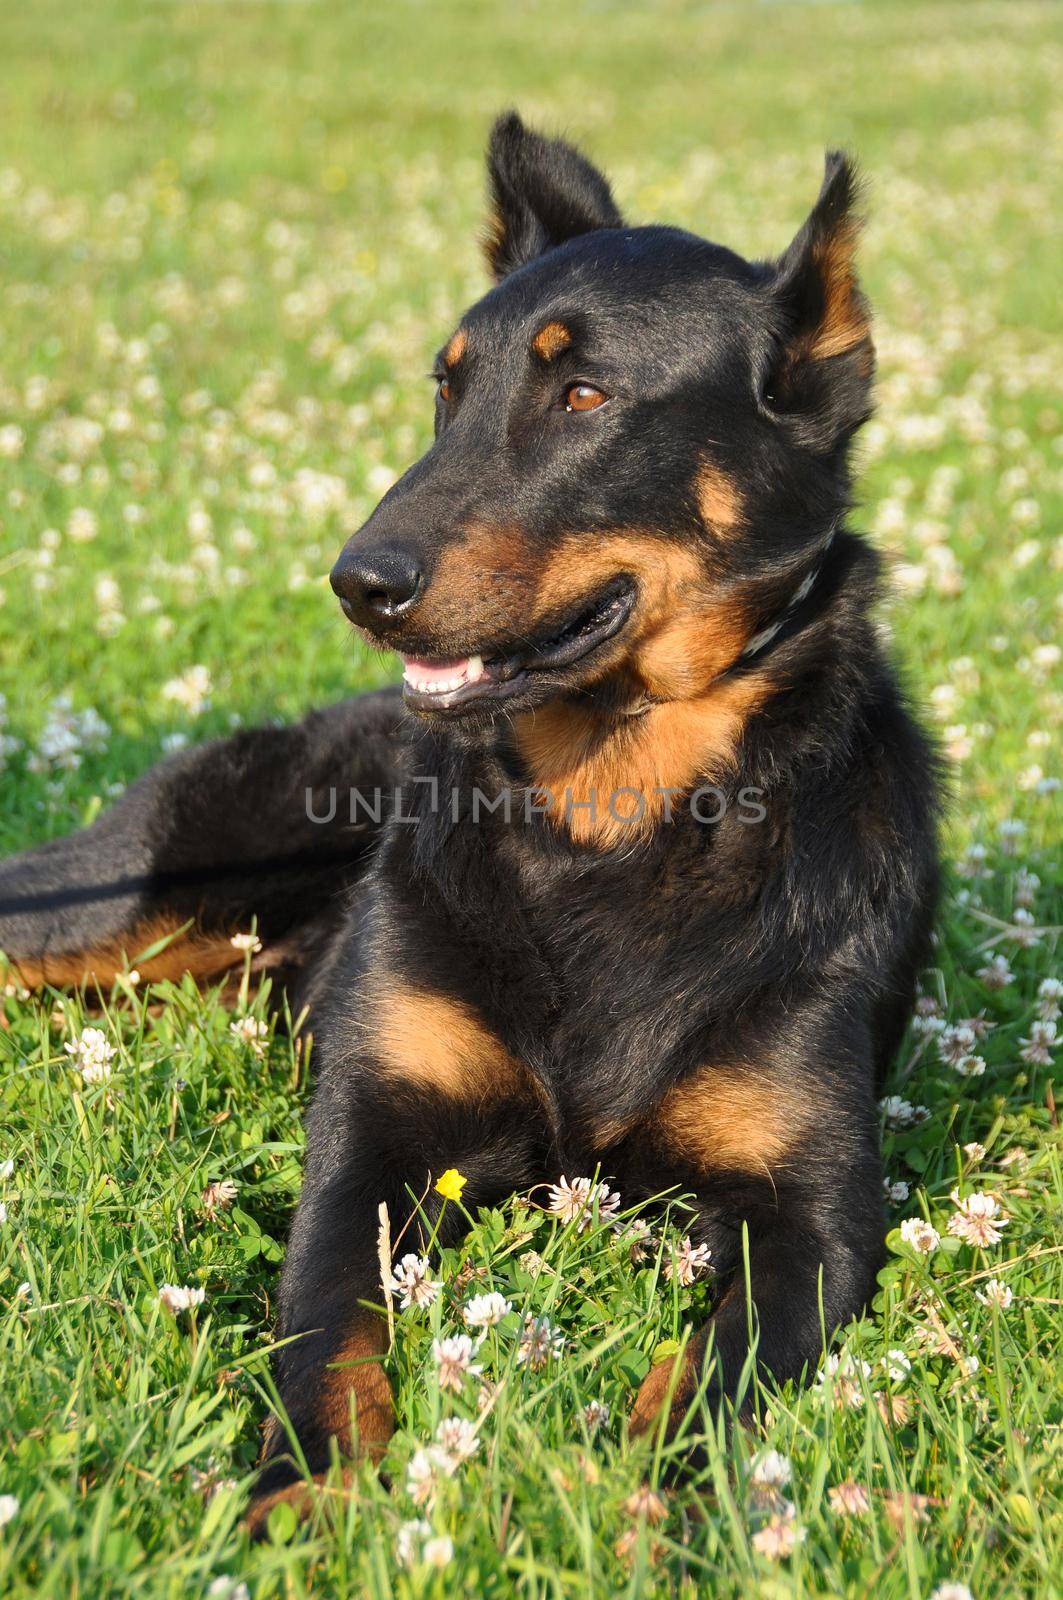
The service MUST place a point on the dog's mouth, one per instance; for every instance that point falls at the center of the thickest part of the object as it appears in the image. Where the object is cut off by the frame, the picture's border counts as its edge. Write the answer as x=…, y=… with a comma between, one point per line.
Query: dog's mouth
x=452, y=685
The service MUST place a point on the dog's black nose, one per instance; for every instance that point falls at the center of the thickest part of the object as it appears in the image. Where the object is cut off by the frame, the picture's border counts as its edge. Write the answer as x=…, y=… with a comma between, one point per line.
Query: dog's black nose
x=377, y=584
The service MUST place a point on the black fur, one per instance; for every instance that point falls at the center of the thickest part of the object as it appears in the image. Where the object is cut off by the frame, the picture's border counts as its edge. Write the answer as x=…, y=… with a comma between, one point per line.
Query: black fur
x=771, y=963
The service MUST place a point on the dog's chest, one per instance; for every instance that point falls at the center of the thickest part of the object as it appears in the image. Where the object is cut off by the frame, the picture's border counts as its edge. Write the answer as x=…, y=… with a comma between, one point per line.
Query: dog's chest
x=594, y=975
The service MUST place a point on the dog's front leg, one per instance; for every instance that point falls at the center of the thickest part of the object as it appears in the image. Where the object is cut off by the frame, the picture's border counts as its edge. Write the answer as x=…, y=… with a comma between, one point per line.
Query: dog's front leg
x=790, y=1196
x=376, y=1135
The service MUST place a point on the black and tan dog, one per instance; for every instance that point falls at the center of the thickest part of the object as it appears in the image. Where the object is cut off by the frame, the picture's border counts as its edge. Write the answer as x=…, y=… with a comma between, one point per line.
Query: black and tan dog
x=671, y=866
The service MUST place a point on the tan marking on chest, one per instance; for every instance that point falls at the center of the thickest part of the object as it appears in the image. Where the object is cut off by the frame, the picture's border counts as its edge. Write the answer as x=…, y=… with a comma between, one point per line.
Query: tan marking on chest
x=429, y=1039
x=733, y=1119
x=682, y=635
x=612, y=782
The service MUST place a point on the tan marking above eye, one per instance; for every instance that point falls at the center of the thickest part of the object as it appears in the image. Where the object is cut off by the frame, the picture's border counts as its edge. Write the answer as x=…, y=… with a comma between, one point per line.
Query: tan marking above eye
x=456, y=347
x=551, y=340
x=719, y=499
x=583, y=397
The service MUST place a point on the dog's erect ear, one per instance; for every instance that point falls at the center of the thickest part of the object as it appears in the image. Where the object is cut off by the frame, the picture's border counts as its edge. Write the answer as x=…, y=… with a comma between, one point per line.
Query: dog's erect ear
x=542, y=193
x=819, y=377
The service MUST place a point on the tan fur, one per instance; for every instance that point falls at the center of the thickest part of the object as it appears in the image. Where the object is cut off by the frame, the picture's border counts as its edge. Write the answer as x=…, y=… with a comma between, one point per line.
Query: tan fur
x=456, y=348
x=357, y=1369
x=429, y=1039
x=573, y=753
x=730, y=1118
x=719, y=499
x=682, y=635
x=304, y=1498
x=551, y=340
x=845, y=321
x=203, y=955
x=673, y=1382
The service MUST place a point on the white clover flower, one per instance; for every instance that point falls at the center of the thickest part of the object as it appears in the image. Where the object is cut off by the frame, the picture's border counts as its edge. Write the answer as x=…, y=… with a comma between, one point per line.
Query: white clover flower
x=779, y=1536
x=486, y=1310
x=218, y=1195
x=191, y=690
x=920, y=1235
x=412, y=1280
x=176, y=1298
x=595, y=1415
x=1009, y=832
x=849, y=1499
x=996, y=1294
x=952, y=1591
x=409, y=1541
x=539, y=1341
x=996, y=974
x=454, y=1359
x=457, y=1438
x=841, y=1374
x=1049, y=998
x=969, y=1066
x=771, y=1470
x=1027, y=883
x=251, y=1031
x=225, y=1588
x=687, y=1262
x=92, y=1053
x=423, y=1472
x=246, y=941
x=637, y=1235
x=9, y=1504
x=973, y=864
x=954, y=1043
x=900, y=1113
x=896, y=1191
x=576, y=1202
x=12, y=441
x=438, y=1551
x=974, y=1152
x=1024, y=929
x=82, y=525
x=7, y=1169
x=896, y=1366
x=1038, y=1048
x=977, y=1219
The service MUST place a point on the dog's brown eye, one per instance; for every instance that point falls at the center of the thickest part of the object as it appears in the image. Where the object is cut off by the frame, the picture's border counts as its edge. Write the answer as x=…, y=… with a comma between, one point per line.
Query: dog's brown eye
x=444, y=388
x=583, y=397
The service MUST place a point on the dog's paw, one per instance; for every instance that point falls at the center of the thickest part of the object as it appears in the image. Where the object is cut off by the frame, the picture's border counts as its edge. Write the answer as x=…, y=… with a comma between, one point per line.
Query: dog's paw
x=322, y=1494
x=671, y=1384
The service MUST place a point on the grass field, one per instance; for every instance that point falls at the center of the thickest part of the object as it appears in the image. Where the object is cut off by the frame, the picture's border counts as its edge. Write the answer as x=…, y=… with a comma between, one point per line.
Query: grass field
x=231, y=237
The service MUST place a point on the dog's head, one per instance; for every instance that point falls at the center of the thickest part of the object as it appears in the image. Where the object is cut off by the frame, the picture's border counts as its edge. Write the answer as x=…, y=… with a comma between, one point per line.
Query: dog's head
x=640, y=449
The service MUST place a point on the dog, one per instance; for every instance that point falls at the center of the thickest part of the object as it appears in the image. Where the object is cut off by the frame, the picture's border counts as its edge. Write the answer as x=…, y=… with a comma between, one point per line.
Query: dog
x=659, y=865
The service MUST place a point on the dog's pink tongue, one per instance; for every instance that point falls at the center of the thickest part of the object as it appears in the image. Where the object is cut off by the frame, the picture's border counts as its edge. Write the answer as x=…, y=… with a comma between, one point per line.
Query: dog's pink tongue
x=434, y=677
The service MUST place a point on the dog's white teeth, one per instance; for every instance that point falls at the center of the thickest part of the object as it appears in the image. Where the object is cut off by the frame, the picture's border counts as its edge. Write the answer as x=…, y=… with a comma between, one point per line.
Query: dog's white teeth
x=426, y=677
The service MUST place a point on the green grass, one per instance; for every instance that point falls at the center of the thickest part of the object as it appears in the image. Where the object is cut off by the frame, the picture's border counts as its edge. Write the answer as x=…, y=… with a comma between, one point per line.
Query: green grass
x=231, y=236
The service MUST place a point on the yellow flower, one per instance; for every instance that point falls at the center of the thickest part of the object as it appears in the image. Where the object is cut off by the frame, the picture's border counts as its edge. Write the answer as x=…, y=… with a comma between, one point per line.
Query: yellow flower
x=451, y=1184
